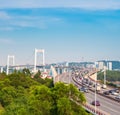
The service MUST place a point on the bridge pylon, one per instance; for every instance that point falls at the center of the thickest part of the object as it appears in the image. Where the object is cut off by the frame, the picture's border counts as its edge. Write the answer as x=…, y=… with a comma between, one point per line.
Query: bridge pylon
x=35, y=59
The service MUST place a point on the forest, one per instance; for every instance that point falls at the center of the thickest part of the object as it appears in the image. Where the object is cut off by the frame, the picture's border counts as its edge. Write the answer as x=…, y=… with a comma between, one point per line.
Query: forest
x=110, y=76
x=22, y=95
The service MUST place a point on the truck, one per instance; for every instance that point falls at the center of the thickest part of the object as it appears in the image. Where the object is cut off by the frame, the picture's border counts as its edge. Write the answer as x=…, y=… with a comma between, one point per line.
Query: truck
x=104, y=86
x=98, y=87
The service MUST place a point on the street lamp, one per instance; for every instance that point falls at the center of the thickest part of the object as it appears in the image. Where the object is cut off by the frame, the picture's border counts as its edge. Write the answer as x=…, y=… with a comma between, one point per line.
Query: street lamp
x=104, y=76
x=95, y=91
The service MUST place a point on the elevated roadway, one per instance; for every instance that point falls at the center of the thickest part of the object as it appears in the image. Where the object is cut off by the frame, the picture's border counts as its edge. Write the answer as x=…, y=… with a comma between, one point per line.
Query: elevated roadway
x=110, y=106
x=107, y=104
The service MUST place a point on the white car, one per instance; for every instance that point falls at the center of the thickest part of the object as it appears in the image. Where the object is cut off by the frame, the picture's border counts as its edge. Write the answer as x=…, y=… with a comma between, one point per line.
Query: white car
x=114, y=93
x=117, y=97
x=104, y=86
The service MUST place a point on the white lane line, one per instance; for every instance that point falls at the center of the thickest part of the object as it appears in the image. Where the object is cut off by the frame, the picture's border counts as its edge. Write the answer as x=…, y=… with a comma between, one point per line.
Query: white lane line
x=108, y=100
x=105, y=107
x=111, y=109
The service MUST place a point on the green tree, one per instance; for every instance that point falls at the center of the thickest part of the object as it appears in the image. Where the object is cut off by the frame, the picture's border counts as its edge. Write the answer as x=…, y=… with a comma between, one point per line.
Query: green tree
x=68, y=94
x=40, y=101
x=18, y=106
x=76, y=95
x=7, y=95
x=22, y=95
x=2, y=75
x=64, y=106
x=37, y=75
x=110, y=76
x=20, y=79
x=26, y=72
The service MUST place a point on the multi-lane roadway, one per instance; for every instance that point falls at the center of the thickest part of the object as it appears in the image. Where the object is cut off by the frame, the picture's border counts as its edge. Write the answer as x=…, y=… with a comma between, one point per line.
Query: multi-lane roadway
x=106, y=104
x=110, y=106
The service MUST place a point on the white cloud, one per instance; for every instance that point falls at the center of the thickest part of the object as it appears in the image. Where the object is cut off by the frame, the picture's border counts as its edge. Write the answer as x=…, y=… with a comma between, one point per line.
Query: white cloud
x=16, y=22
x=6, y=28
x=6, y=41
x=84, y=4
x=21, y=21
x=4, y=15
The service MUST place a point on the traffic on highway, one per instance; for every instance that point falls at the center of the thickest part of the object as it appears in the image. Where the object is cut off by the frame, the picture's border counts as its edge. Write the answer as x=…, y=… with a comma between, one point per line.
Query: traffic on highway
x=107, y=98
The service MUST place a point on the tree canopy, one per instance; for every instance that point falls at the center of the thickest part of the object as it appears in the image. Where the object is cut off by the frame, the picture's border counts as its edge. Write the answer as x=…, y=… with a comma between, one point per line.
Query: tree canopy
x=110, y=76
x=22, y=95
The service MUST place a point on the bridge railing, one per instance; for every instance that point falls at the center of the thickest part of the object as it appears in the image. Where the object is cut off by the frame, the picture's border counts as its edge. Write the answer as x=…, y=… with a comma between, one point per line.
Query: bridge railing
x=92, y=110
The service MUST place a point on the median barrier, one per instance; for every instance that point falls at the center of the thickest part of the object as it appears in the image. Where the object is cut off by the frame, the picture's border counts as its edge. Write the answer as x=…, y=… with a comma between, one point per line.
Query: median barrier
x=91, y=109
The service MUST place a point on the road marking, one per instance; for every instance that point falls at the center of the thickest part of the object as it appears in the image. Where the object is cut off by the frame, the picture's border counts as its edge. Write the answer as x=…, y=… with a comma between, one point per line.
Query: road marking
x=111, y=109
x=107, y=107
x=99, y=96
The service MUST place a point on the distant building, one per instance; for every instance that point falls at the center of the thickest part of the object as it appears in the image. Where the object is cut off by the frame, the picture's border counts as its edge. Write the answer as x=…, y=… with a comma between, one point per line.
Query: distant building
x=109, y=65
x=101, y=64
x=115, y=65
x=45, y=75
x=67, y=64
x=96, y=64
x=1, y=69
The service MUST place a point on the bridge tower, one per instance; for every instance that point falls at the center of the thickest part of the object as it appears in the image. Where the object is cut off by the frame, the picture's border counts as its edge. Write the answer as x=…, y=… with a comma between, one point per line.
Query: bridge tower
x=35, y=60
x=10, y=58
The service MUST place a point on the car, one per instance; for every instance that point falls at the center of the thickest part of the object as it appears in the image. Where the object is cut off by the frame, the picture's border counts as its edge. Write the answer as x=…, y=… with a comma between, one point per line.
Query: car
x=104, y=86
x=114, y=93
x=90, y=83
x=84, y=89
x=106, y=93
x=87, y=84
x=110, y=91
x=97, y=103
x=98, y=84
x=114, y=90
x=118, y=98
x=90, y=86
x=117, y=90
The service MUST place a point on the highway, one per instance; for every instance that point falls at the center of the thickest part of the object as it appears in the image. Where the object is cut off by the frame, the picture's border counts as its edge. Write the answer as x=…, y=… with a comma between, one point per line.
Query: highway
x=107, y=105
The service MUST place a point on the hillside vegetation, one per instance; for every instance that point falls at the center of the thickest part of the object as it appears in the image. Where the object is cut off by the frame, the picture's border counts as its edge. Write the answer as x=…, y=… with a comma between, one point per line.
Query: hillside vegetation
x=22, y=95
x=110, y=76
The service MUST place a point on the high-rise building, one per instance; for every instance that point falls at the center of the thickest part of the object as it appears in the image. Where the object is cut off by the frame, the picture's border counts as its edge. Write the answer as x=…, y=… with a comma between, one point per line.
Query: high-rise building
x=109, y=65
x=101, y=65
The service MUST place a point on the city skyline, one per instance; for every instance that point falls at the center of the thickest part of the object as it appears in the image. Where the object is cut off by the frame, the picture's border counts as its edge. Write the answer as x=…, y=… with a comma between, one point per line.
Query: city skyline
x=68, y=31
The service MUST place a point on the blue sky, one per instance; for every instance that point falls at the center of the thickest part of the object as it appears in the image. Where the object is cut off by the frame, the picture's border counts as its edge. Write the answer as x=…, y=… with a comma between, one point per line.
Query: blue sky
x=68, y=30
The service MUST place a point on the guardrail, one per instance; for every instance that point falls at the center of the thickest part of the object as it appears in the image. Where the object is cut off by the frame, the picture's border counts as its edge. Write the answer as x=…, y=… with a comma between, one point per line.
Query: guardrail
x=101, y=93
x=92, y=110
